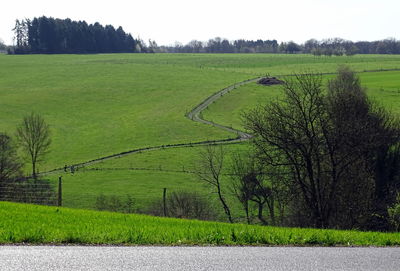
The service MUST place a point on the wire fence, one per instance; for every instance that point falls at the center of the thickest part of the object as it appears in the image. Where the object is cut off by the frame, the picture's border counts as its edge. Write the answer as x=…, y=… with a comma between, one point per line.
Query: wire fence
x=166, y=202
x=160, y=168
x=163, y=202
x=37, y=192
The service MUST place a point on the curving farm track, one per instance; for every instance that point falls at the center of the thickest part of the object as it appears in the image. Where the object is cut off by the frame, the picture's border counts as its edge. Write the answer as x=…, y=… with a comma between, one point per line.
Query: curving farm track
x=194, y=115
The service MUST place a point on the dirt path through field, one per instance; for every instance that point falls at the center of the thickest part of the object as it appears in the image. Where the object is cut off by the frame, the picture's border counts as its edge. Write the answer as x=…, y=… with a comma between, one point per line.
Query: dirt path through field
x=194, y=115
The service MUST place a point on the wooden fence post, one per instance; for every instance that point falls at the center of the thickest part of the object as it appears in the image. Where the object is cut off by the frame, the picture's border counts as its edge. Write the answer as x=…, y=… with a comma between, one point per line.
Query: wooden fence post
x=59, y=199
x=165, y=201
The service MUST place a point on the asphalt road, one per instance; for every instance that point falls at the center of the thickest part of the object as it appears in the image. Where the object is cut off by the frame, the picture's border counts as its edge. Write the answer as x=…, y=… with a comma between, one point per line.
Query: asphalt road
x=197, y=258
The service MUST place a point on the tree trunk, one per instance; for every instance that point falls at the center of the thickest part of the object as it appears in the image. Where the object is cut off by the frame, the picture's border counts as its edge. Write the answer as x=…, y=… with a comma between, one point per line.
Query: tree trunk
x=226, y=208
x=34, y=169
x=246, y=209
x=260, y=214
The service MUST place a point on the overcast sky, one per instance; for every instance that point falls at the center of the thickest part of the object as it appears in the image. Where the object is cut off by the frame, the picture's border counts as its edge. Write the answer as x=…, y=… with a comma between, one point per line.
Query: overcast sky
x=167, y=21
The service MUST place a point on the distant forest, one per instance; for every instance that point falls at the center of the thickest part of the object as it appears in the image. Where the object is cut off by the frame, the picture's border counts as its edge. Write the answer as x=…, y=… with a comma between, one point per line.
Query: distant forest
x=57, y=36
x=328, y=47
x=46, y=35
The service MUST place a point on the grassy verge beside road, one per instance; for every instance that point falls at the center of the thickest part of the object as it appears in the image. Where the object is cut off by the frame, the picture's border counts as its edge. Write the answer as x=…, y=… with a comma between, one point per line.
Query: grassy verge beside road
x=31, y=224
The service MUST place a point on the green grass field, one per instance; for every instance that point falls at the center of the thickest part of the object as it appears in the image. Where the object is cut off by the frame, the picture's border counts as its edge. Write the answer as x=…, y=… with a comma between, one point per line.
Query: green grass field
x=30, y=224
x=143, y=176
x=98, y=105
x=382, y=87
x=103, y=104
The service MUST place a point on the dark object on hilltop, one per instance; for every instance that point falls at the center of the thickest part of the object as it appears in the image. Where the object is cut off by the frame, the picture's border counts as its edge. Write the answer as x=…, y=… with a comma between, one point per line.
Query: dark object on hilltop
x=269, y=81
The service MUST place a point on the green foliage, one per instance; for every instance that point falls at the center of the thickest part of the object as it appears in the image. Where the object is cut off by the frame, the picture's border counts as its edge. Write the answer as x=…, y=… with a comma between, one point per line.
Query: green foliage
x=49, y=35
x=394, y=214
x=3, y=47
x=21, y=223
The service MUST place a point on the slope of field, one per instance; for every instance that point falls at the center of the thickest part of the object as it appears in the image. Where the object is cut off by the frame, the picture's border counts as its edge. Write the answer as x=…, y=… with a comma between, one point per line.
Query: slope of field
x=30, y=224
x=143, y=176
x=104, y=104
x=99, y=105
x=382, y=87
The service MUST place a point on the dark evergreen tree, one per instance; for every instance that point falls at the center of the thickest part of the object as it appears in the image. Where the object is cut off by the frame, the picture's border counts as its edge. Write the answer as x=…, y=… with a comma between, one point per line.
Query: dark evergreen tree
x=52, y=36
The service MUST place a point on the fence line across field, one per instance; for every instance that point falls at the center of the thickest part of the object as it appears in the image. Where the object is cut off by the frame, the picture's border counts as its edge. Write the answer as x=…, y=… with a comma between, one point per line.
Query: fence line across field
x=34, y=193
x=156, y=169
x=31, y=192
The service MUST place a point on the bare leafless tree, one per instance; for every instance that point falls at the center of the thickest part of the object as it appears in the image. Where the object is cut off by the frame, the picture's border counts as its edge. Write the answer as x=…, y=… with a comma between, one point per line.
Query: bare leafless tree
x=287, y=133
x=33, y=135
x=209, y=169
x=328, y=143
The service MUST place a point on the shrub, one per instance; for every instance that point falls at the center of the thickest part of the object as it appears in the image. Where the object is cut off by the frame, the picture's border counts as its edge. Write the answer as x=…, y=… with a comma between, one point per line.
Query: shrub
x=184, y=204
x=394, y=214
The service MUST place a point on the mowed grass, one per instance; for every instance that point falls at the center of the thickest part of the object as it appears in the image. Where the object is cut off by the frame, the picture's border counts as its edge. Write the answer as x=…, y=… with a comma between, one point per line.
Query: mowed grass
x=30, y=224
x=98, y=105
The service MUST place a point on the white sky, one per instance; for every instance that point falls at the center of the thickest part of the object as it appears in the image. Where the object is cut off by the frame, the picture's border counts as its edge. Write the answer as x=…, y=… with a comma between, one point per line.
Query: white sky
x=167, y=21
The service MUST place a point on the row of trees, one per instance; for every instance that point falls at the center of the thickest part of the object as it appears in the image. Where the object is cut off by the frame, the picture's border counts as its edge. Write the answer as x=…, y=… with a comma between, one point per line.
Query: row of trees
x=3, y=46
x=321, y=157
x=327, y=47
x=49, y=35
x=339, y=46
x=219, y=45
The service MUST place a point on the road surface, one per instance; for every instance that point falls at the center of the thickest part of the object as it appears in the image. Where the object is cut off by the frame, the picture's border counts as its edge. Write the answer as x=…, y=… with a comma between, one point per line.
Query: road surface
x=197, y=258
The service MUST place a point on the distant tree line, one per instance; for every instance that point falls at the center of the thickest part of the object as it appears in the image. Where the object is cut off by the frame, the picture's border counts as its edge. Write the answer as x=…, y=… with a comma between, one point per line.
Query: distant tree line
x=327, y=47
x=50, y=35
x=219, y=45
x=340, y=47
x=53, y=36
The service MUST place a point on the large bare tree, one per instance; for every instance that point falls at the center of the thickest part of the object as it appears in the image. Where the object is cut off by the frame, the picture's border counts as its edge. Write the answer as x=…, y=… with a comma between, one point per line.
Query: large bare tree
x=33, y=135
x=327, y=142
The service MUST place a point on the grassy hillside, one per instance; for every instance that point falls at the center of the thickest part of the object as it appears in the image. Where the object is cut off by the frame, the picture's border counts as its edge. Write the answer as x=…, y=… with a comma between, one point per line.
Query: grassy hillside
x=382, y=87
x=144, y=175
x=103, y=104
x=32, y=224
x=98, y=105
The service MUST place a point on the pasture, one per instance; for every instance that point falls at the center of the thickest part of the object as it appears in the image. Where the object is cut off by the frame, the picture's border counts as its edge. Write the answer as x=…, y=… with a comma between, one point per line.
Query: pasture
x=99, y=105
